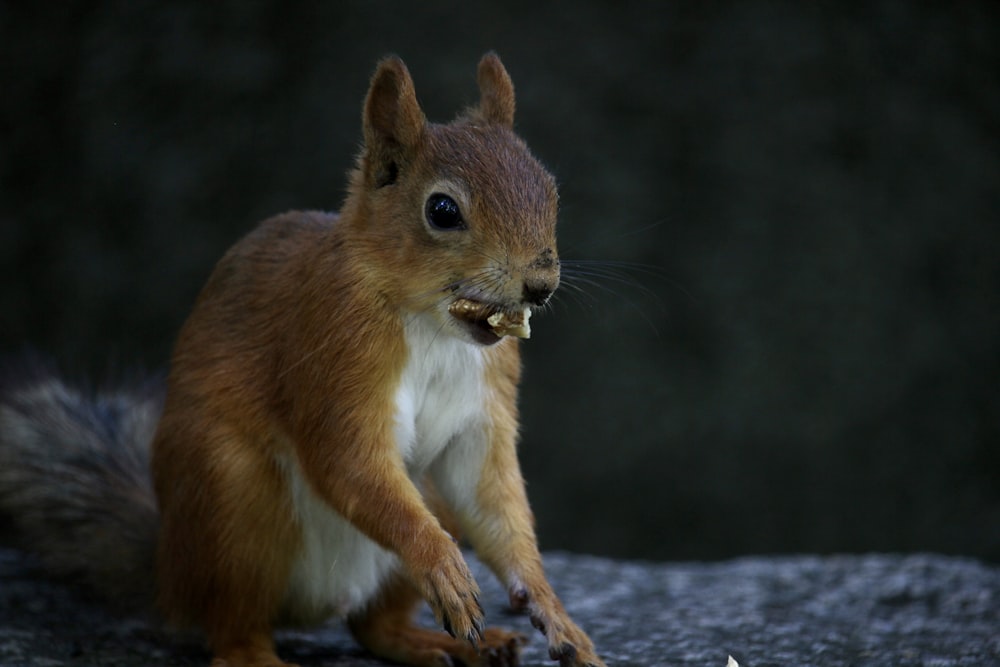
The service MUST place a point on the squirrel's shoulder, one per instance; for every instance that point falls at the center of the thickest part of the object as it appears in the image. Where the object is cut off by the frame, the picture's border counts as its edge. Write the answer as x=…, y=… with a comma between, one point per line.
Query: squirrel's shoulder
x=294, y=225
x=281, y=237
x=273, y=255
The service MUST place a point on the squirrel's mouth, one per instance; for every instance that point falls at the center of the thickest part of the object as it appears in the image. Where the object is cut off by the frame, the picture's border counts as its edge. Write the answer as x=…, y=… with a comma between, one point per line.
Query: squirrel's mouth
x=488, y=323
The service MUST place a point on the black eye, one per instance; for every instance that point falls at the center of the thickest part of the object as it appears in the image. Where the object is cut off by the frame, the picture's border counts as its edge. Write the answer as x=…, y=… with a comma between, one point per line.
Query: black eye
x=442, y=213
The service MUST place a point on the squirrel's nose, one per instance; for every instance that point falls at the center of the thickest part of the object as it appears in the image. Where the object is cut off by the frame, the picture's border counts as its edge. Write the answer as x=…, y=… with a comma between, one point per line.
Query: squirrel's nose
x=541, y=278
x=537, y=292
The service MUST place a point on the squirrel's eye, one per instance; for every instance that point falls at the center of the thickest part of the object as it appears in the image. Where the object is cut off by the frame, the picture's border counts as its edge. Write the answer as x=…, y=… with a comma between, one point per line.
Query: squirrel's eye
x=442, y=213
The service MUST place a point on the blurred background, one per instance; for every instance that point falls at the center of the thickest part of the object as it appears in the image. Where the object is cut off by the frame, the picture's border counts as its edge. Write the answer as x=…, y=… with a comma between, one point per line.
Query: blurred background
x=795, y=345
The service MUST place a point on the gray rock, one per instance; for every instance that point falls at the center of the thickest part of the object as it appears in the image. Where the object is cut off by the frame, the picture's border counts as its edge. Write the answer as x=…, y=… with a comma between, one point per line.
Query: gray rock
x=834, y=611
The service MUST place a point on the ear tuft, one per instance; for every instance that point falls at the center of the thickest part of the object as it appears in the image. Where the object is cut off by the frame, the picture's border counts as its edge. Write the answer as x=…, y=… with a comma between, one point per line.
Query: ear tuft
x=496, y=91
x=393, y=121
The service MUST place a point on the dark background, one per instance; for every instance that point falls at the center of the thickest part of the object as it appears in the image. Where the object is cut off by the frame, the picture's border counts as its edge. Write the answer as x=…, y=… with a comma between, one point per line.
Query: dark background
x=803, y=352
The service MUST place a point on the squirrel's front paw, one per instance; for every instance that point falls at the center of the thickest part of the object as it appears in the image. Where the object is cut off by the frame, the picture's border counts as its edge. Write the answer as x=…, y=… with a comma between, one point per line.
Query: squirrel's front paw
x=567, y=642
x=451, y=591
x=573, y=649
x=569, y=655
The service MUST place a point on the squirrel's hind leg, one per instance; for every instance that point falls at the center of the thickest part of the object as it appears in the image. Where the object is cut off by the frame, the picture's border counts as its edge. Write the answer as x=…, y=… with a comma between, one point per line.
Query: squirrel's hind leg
x=387, y=629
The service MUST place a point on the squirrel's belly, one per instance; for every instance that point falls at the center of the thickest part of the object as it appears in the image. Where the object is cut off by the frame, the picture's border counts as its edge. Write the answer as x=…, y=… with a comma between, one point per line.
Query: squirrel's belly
x=337, y=570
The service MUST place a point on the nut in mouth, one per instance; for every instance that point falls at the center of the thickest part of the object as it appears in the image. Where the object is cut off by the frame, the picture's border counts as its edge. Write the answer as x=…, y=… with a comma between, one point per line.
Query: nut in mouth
x=489, y=318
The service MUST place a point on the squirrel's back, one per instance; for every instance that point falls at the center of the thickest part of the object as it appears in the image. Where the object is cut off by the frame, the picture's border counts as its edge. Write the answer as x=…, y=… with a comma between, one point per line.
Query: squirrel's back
x=74, y=478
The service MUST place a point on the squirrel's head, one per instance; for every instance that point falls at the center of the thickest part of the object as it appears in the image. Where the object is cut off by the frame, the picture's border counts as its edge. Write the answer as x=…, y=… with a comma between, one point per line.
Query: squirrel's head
x=457, y=220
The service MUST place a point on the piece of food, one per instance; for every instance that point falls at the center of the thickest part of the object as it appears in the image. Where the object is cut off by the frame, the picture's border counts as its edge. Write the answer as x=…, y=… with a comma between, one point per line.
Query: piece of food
x=511, y=324
x=467, y=309
x=500, y=322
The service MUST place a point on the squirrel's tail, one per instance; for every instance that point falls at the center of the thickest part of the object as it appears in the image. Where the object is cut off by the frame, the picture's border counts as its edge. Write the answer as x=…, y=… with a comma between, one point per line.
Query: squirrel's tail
x=75, y=480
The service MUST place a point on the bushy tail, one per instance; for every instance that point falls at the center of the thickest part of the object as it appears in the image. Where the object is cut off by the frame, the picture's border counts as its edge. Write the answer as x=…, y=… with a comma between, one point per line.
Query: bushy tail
x=75, y=480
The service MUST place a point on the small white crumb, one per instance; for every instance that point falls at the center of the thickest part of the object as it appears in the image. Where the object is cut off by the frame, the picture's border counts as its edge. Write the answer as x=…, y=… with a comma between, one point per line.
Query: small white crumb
x=732, y=662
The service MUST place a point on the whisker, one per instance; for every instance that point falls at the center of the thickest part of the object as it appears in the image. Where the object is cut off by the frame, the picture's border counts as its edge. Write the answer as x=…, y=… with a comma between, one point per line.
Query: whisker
x=624, y=272
x=430, y=343
x=632, y=303
x=575, y=292
x=594, y=278
x=575, y=281
x=583, y=276
x=638, y=267
x=475, y=282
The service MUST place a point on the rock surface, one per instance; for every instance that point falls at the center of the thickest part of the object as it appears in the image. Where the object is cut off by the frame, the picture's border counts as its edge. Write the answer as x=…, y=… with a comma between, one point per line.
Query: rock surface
x=803, y=610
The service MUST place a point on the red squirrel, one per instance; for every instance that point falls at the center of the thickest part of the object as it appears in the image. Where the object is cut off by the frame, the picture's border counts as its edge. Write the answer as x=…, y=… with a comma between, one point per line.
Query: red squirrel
x=342, y=404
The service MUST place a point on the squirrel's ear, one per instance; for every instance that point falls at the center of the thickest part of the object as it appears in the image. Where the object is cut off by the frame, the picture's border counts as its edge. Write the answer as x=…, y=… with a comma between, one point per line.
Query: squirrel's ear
x=496, y=91
x=393, y=121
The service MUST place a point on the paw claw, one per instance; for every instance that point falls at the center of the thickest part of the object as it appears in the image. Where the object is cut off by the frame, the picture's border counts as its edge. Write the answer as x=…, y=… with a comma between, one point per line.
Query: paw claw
x=453, y=595
x=538, y=624
x=565, y=653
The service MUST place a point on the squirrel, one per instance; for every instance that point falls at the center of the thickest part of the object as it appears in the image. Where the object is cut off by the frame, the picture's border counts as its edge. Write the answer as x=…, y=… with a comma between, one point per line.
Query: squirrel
x=341, y=406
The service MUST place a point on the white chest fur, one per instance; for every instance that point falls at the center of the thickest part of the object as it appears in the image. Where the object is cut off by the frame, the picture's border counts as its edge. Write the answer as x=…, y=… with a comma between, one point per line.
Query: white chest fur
x=441, y=394
x=439, y=403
